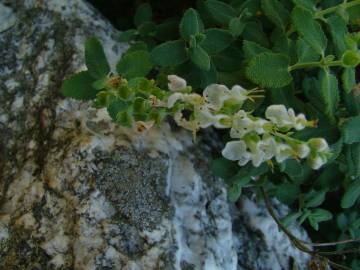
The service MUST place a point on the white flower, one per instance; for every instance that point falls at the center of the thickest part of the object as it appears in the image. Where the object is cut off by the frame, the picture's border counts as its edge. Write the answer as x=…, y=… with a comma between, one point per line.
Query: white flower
x=316, y=161
x=238, y=93
x=318, y=144
x=236, y=150
x=268, y=146
x=283, y=152
x=241, y=125
x=216, y=94
x=298, y=122
x=205, y=118
x=172, y=99
x=278, y=115
x=259, y=126
x=176, y=83
x=302, y=150
x=257, y=156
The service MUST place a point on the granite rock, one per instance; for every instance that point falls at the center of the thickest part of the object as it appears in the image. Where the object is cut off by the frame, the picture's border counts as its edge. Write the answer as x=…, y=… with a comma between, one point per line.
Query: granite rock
x=78, y=192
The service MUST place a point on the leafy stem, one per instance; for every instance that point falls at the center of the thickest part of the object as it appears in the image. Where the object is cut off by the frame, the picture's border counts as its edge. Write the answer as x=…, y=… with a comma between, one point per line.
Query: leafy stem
x=320, y=63
x=344, y=5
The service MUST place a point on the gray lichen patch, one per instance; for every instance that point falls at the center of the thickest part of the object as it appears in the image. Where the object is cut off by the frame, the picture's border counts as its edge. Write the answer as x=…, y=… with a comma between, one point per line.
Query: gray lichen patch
x=135, y=184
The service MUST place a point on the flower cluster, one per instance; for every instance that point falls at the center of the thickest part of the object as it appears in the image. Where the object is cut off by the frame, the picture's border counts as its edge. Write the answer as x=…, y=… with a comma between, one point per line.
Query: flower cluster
x=258, y=140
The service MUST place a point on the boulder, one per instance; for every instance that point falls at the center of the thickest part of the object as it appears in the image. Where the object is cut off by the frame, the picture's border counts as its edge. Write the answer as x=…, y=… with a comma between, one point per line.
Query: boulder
x=79, y=192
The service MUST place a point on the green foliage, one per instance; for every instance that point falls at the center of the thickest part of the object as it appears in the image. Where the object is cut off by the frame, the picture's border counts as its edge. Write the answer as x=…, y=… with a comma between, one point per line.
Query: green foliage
x=309, y=29
x=191, y=24
x=95, y=59
x=79, y=86
x=171, y=53
x=269, y=70
x=302, y=53
x=134, y=64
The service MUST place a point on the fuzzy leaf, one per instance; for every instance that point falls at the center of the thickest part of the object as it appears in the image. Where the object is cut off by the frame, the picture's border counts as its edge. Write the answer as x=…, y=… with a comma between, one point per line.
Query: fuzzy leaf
x=276, y=13
x=143, y=14
x=236, y=26
x=216, y=40
x=127, y=35
x=200, y=58
x=191, y=24
x=95, y=58
x=269, y=70
x=309, y=29
x=348, y=79
x=252, y=49
x=304, y=52
x=79, y=86
x=352, y=155
x=134, y=64
x=328, y=86
x=351, y=130
x=338, y=29
x=171, y=53
x=352, y=193
x=220, y=11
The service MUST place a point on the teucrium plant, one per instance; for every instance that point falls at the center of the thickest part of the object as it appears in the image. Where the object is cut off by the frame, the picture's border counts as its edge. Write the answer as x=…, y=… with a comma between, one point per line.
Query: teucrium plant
x=293, y=58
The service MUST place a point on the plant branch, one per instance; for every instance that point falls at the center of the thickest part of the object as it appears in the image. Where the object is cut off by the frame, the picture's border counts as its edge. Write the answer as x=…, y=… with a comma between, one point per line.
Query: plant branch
x=344, y=5
x=297, y=242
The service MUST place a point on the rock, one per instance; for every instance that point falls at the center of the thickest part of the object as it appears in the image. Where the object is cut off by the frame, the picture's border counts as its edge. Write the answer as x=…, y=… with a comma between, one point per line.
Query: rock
x=78, y=192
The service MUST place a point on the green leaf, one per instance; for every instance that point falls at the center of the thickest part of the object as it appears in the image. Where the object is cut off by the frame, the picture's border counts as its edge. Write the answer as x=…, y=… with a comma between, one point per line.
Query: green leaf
x=350, y=59
x=338, y=29
x=168, y=30
x=196, y=77
x=252, y=49
x=276, y=13
x=143, y=14
x=254, y=32
x=216, y=40
x=221, y=11
x=95, y=58
x=329, y=178
x=127, y=35
x=290, y=218
x=147, y=29
x=224, y=168
x=328, y=86
x=309, y=29
x=269, y=70
x=101, y=83
x=348, y=79
x=318, y=215
x=351, y=195
x=229, y=60
x=287, y=193
x=247, y=173
x=79, y=86
x=351, y=130
x=134, y=64
x=307, y=4
x=234, y=192
x=171, y=53
x=236, y=26
x=191, y=24
x=304, y=52
x=200, y=58
x=117, y=105
x=314, y=198
x=352, y=156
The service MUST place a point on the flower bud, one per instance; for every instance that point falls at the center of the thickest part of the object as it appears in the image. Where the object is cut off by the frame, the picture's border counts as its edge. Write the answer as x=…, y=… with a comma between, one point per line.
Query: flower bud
x=318, y=144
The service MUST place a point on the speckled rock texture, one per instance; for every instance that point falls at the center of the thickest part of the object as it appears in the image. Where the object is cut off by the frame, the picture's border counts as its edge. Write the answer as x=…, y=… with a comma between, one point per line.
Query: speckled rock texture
x=78, y=192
